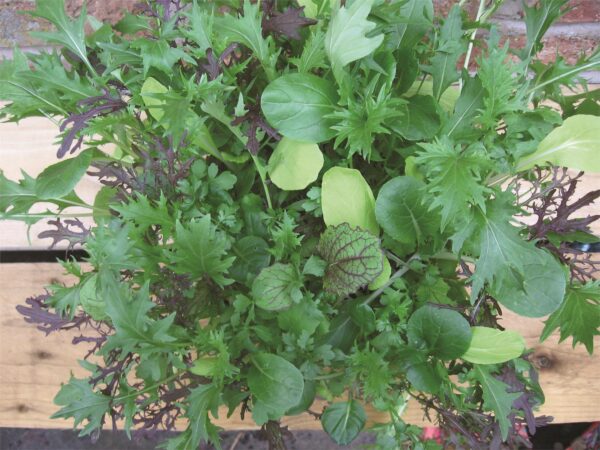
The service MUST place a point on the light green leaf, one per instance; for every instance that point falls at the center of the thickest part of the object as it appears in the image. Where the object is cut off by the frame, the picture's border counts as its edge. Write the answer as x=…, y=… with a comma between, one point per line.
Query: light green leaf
x=441, y=332
x=344, y=421
x=401, y=212
x=448, y=99
x=574, y=144
x=383, y=277
x=91, y=302
x=277, y=287
x=296, y=105
x=492, y=346
x=151, y=92
x=346, y=39
x=496, y=398
x=354, y=259
x=294, y=165
x=59, y=179
x=347, y=198
x=276, y=384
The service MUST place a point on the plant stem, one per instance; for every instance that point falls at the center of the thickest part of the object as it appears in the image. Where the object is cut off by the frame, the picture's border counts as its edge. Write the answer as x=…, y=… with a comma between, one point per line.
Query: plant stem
x=473, y=36
x=274, y=435
x=403, y=269
x=262, y=172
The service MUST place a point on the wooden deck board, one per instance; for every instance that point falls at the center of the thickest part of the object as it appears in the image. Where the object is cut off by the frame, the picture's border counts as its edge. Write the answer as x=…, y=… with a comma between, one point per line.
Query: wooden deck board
x=32, y=366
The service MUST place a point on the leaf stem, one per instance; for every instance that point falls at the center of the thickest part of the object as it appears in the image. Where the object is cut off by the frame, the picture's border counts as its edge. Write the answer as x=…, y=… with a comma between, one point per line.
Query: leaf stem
x=262, y=173
x=405, y=267
x=147, y=389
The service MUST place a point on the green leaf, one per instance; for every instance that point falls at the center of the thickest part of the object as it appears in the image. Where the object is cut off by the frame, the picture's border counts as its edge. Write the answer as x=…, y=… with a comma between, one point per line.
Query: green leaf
x=91, y=302
x=277, y=287
x=414, y=19
x=401, y=212
x=151, y=93
x=421, y=120
x=442, y=332
x=578, y=316
x=144, y=214
x=275, y=383
x=538, y=19
x=158, y=54
x=574, y=144
x=454, y=177
x=80, y=402
x=201, y=401
x=199, y=250
x=303, y=317
x=346, y=39
x=448, y=52
x=344, y=421
x=251, y=256
x=421, y=373
x=538, y=291
x=492, y=346
x=69, y=33
x=354, y=259
x=464, y=109
x=383, y=277
x=294, y=165
x=346, y=197
x=496, y=398
x=59, y=179
x=297, y=104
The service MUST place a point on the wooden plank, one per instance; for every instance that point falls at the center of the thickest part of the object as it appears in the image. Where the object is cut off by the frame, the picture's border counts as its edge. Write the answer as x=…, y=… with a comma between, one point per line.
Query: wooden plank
x=30, y=146
x=32, y=366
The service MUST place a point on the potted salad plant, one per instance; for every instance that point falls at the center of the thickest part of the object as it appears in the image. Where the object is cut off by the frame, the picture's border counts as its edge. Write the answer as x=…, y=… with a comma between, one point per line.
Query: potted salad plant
x=308, y=199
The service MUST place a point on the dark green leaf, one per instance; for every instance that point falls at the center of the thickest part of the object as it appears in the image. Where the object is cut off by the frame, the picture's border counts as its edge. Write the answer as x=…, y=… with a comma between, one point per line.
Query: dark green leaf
x=401, y=212
x=275, y=383
x=442, y=332
x=421, y=120
x=344, y=421
x=251, y=256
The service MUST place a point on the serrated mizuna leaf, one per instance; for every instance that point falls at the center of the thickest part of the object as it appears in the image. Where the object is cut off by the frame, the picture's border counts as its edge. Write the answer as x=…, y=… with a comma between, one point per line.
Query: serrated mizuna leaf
x=496, y=398
x=344, y=421
x=354, y=258
x=346, y=39
x=493, y=346
x=80, y=402
x=578, y=316
x=199, y=249
x=277, y=287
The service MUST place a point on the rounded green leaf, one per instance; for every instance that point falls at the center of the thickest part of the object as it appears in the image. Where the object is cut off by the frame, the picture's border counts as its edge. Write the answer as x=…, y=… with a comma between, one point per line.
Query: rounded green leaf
x=492, y=346
x=296, y=105
x=344, y=421
x=347, y=198
x=308, y=397
x=276, y=287
x=60, y=179
x=354, y=259
x=401, y=212
x=251, y=256
x=275, y=382
x=574, y=144
x=151, y=90
x=538, y=291
x=442, y=332
x=294, y=164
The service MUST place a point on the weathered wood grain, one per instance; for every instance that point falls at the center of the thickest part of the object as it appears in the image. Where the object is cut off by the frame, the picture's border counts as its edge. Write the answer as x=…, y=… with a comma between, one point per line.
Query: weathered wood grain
x=33, y=365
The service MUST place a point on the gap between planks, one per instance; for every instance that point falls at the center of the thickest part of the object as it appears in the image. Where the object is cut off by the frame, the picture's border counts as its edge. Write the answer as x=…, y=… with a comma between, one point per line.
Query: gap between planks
x=32, y=366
